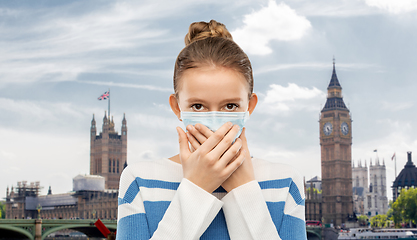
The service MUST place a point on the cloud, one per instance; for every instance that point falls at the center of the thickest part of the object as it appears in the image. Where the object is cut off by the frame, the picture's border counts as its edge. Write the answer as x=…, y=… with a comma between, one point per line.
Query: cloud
x=314, y=66
x=396, y=106
x=129, y=85
x=291, y=98
x=59, y=46
x=394, y=6
x=274, y=22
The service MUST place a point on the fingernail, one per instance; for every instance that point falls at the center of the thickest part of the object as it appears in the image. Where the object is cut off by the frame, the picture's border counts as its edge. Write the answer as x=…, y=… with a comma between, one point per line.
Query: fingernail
x=197, y=127
x=230, y=124
x=189, y=127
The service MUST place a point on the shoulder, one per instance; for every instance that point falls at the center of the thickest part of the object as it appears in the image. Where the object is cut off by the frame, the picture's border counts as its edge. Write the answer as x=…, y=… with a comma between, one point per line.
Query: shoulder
x=268, y=170
x=158, y=169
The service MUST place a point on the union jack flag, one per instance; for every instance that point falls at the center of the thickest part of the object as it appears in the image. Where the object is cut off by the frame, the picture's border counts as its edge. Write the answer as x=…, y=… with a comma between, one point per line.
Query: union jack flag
x=105, y=96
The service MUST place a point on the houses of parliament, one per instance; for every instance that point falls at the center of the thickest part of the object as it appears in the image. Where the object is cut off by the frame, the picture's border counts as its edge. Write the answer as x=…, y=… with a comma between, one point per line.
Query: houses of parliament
x=93, y=196
x=96, y=195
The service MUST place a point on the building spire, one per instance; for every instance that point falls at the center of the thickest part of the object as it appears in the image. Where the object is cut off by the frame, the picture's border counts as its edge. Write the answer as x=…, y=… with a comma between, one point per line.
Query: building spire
x=334, y=82
x=334, y=93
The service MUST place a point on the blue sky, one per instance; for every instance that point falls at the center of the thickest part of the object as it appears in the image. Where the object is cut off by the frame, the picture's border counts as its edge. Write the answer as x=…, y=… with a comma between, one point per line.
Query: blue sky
x=56, y=58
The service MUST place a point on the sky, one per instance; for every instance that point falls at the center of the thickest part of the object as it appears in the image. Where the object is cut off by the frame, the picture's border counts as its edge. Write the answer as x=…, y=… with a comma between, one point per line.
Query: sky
x=58, y=57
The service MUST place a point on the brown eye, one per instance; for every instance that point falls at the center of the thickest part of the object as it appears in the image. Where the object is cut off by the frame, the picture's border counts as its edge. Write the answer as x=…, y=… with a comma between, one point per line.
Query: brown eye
x=231, y=107
x=197, y=107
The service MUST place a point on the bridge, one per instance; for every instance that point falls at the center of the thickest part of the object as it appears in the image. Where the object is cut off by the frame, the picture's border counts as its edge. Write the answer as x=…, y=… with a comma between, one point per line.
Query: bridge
x=39, y=229
x=314, y=233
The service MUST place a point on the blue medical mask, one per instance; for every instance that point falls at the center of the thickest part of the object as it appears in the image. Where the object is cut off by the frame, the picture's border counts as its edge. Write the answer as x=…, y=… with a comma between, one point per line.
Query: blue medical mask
x=214, y=120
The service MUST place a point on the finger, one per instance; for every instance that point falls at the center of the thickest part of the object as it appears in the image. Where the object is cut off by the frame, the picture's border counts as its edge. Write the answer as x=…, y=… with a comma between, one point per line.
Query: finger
x=183, y=142
x=236, y=163
x=231, y=153
x=216, y=138
x=243, y=137
x=204, y=130
x=194, y=143
x=196, y=133
x=225, y=143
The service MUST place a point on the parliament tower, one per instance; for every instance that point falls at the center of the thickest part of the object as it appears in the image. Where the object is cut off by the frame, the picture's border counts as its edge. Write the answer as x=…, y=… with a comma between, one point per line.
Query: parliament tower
x=336, y=164
x=108, y=151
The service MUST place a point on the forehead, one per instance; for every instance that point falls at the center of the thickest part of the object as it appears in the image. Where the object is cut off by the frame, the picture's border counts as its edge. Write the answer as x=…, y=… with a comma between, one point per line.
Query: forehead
x=212, y=82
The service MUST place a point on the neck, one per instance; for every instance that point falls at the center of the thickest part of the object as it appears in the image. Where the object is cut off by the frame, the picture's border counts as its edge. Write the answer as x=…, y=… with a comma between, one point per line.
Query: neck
x=175, y=158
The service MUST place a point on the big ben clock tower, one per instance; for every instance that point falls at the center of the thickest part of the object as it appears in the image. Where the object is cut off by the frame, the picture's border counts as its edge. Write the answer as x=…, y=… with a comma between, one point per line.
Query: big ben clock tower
x=336, y=152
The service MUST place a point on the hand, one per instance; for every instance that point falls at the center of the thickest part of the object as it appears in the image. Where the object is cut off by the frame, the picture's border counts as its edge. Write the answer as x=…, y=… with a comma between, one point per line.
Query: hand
x=244, y=174
x=214, y=160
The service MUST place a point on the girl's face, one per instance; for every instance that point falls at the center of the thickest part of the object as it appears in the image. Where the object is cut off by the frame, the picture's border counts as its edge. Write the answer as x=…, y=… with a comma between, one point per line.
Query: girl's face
x=212, y=88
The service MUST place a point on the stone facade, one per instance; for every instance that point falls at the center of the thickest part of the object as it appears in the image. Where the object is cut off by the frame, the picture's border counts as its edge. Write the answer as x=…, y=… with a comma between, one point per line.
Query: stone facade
x=89, y=199
x=336, y=165
x=108, y=151
x=370, y=199
x=23, y=203
x=313, y=203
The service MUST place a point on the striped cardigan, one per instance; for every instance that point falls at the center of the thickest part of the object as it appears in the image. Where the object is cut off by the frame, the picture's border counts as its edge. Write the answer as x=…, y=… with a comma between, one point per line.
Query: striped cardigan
x=156, y=202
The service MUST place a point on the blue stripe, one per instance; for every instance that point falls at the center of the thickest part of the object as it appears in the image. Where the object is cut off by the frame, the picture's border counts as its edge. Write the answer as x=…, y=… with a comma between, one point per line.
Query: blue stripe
x=133, y=227
x=133, y=189
x=151, y=183
x=282, y=183
x=292, y=228
x=276, y=210
x=295, y=193
x=131, y=192
x=279, y=183
x=155, y=212
x=217, y=228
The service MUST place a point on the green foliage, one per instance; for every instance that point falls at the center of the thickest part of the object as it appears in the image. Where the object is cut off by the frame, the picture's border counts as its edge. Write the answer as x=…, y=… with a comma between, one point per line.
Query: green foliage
x=404, y=209
x=363, y=220
x=2, y=210
x=380, y=221
x=315, y=190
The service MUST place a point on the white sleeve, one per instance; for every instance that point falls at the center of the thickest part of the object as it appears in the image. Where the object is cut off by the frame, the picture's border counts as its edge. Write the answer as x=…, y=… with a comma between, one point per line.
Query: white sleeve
x=189, y=214
x=247, y=215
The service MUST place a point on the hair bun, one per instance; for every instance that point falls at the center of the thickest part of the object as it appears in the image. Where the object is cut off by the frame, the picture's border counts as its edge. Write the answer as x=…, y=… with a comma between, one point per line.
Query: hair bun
x=203, y=30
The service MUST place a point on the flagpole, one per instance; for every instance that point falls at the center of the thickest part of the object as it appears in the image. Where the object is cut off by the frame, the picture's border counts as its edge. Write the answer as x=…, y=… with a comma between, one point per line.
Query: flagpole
x=395, y=166
x=109, y=105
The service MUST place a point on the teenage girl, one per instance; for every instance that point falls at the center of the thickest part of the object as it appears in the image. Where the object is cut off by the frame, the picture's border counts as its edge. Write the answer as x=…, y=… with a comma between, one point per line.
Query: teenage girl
x=212, y=189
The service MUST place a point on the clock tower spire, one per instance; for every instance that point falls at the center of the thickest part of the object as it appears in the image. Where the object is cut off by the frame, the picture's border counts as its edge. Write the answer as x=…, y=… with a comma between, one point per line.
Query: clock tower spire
x=336, y=155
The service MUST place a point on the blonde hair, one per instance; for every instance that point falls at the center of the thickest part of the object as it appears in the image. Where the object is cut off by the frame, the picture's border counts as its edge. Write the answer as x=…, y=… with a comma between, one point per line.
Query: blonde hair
x=211, y=44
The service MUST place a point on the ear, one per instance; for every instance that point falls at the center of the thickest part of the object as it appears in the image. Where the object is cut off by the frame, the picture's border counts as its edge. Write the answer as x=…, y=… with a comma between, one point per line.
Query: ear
x=173, y=102
x=252, y=102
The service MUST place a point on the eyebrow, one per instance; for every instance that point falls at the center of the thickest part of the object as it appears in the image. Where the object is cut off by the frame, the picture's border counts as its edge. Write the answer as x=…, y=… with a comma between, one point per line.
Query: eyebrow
x=224, y=101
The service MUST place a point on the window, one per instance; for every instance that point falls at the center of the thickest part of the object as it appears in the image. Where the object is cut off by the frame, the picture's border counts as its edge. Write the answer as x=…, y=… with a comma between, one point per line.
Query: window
x=114, y=165
x=369, y=202
x=117, y=165
x=109, y=165
x=376, y=202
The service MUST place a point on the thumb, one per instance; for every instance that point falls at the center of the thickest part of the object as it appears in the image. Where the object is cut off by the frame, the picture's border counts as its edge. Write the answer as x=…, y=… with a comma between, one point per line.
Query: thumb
x=183, y=142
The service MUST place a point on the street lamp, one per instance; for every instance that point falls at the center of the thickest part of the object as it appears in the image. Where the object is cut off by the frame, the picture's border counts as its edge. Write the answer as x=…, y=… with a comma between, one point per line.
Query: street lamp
x=39, y=208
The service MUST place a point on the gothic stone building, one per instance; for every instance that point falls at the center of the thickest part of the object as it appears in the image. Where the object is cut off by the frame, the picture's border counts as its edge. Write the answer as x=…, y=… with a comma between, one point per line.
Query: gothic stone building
x=336, y=164
x=108, y=151
x=93, y=196
x=370, y=199
x=406, y=179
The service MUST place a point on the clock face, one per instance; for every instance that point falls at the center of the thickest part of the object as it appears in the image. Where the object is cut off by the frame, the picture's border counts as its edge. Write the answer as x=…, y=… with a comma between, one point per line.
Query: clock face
x=345, y=128
x=327, y=128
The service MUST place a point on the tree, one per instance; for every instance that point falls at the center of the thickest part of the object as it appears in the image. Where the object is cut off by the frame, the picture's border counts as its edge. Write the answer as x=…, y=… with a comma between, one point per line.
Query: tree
x=2, y=210
x=363, y=220
x=379, y=221
x=405, y=207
